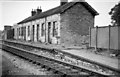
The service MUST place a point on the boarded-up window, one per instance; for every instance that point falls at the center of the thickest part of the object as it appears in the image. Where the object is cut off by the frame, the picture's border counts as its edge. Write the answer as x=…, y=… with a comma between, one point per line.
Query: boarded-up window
x=43, y=29
x=37, y=31
x=19, y=31
x=33, y=29
x=22, y=31
x=28, y=30
x=55, y=29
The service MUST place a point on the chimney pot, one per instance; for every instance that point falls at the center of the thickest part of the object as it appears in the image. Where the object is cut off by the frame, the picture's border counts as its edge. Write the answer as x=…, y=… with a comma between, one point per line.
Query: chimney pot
x=33, y=12
x=39, y=10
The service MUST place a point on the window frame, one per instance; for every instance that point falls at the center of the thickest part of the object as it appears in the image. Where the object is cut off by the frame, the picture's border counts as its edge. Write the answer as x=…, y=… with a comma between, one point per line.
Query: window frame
x=43, y=29
x=55, y=32
x=28, y=30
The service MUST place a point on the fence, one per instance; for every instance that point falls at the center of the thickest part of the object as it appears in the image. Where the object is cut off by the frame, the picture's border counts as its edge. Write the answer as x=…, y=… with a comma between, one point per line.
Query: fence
x=107, y=37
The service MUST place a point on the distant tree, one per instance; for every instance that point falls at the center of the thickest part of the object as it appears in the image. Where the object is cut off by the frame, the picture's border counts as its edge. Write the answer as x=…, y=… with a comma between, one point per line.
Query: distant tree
x=115, y=15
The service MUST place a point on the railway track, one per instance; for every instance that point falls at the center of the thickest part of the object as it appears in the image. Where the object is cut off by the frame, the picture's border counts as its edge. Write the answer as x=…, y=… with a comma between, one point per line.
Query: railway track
x=56, y=67
x=54, y=61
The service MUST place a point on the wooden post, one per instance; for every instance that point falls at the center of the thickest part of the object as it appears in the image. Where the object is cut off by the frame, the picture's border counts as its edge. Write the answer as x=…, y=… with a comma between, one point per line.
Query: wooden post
x=109, y=39
x=96, y=37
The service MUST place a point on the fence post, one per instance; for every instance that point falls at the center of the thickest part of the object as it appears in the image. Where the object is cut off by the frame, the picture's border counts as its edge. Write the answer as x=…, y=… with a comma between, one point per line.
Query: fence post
x=89, y=36
x=109, y=39
x=96, y=37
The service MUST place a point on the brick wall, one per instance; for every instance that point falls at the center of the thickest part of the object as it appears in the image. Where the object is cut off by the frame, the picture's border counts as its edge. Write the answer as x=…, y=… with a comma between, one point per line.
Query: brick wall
x=75, y=23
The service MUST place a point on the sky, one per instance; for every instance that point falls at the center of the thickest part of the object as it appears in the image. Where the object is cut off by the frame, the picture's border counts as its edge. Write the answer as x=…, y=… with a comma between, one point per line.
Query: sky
x=14, y=11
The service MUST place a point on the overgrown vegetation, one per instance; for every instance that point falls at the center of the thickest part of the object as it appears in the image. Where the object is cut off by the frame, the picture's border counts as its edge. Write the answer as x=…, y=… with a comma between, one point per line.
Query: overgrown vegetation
x=115, y=15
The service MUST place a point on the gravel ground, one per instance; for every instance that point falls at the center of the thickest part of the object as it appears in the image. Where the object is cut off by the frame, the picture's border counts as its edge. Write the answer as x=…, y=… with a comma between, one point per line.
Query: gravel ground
x=13, y=65
x=97, y=58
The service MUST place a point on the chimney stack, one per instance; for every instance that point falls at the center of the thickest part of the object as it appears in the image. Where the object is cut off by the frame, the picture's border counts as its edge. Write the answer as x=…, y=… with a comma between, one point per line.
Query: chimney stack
x=33, y=12
x=62, y=2
x=39, y=10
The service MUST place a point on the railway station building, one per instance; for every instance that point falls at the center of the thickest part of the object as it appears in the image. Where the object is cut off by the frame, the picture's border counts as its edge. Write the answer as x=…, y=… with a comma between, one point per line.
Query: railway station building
x=64, y=24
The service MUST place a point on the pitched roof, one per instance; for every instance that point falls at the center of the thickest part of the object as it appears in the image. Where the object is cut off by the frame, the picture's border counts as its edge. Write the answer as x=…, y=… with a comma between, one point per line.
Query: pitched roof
x=59, y=9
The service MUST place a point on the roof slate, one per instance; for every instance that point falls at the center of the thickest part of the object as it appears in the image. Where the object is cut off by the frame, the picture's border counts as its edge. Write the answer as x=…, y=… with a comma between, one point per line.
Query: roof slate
x=59, y=9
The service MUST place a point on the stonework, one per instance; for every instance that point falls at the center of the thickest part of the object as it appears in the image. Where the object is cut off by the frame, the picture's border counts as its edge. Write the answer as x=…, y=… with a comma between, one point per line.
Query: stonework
x=75, y=23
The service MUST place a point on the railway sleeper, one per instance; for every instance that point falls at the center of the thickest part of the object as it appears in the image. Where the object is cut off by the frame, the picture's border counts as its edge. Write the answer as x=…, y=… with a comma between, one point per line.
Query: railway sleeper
x=58, y=72
x=54, y=70
x=42, y=66
x=30, y=60
x=66, y=70
x=60, y=68
x=38, y=63
x=33, y=61
x=48, y=69
x=48, y=64
x=73, y=73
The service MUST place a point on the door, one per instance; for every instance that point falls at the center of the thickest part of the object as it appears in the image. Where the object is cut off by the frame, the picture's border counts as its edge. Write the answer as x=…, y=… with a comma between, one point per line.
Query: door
x=49, y=30
x=37, y=32
x=24, y=33
x=33, y=29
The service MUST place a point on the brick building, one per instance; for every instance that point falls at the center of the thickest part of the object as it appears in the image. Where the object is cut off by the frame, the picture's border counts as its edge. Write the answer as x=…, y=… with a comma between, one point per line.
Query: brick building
x=8, y=32
x=64, y=24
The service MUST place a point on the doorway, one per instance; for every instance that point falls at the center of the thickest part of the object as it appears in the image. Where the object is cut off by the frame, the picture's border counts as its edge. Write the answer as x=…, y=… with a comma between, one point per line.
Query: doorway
x=33, y=33
x=37, y=32
x=49, y=31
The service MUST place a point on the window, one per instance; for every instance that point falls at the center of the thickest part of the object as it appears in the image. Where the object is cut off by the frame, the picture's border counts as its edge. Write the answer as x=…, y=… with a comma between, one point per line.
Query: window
x=42, y=29
x=33, y=33
x=19, y=31
x=49, y=31
x=49, y=27
x=22, y=31
x=55, y=29
x=28, y=30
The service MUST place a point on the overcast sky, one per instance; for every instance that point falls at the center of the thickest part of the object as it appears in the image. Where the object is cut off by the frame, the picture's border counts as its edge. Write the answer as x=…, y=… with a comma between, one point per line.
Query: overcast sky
x=13, y=11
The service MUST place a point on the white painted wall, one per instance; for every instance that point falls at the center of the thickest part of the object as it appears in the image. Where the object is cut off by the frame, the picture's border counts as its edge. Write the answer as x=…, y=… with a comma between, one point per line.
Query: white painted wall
x=52, y=18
